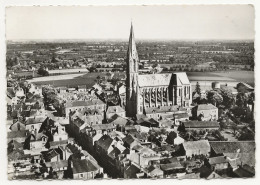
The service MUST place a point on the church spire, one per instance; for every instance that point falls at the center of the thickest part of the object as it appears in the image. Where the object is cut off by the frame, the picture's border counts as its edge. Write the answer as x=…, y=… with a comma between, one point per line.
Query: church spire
x=132, y=55
x=132, y=88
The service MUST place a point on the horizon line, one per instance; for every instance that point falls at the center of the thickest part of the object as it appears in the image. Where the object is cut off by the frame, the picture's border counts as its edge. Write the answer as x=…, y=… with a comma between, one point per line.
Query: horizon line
x=124, y=39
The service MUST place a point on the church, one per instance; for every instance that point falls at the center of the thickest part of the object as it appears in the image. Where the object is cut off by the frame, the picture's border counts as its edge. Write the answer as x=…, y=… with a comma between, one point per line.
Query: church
x=158, y=91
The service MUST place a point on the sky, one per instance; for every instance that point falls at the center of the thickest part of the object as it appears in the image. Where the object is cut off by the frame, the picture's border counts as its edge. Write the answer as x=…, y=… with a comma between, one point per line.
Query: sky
x=178, y=22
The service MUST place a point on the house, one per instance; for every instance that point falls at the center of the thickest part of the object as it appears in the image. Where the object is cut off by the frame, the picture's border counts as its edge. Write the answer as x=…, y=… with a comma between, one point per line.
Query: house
x=34, y=123
x=130, y=141
x=102, y=128
x=172, y=168
x=85, y=169
x=205, y=112
x=192, y=148
x=104, y=145
x=148, y=122
x=120, y=122
x=112, y=110
x=71, y=106
x=207, y=173
x=142, y=155
x=35, y=141
x=16, y=126
x=57, y=166
x=60, y=134
x=18, y=136
x=51, y=155
x=217, y=163
x=236, y=152
x=163, y=112
x=199, y=125
x=244, y=171
x=154, y=172
x=131, y=171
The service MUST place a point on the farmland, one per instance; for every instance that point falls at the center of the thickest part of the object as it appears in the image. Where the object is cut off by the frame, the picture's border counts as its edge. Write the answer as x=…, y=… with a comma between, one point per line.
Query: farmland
x=89, y=79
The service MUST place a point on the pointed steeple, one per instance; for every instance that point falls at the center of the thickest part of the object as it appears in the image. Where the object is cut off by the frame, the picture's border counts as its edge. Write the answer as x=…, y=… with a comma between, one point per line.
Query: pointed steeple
x=132, y=54
x=132, y=88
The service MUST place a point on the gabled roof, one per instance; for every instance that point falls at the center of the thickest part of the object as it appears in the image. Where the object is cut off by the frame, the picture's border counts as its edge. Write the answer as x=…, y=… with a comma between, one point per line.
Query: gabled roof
x=10, y=92
x=105, y=142
x=118, y=120
x=83, y=166
x=243, y=173
x=195, y=145
x=50, y=154
x=220, y=147
x=129, y=139
x=152, y=80
x=114, y=153
x=131, y=171
x=217, y=160
x=17, y=134
x=115, y=109
x=103, y=126
x=35, y=120
x=181, y=79
x=14, y=145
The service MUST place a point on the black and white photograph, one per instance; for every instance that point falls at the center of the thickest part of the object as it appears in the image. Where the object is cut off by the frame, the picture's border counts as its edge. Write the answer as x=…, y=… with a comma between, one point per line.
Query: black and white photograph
x=130, y=92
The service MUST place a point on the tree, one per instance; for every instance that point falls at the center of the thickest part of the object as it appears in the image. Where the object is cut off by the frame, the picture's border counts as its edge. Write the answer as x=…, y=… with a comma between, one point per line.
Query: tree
x=197, y=88
x=242, y=100
x=214, y=97
x=228, y=98
x=43, y=72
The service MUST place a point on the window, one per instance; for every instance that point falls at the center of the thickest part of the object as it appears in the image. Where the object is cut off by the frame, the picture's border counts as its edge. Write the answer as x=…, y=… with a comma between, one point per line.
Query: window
x=81, y=175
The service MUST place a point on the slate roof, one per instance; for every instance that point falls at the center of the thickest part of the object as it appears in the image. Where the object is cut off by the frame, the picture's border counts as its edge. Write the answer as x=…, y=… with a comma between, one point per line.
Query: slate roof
x=118, y=120
x=217, y=160
x=83, y=166
x=14, y=145
x=171, y=166
x=151, y=80
x=35, y=120
x=129, y=139
x=18, y=154
x=243, y=173
x=115, y=109
x=17, y=134
x=103, y=126
x=232, y=147
x=10, y=92
x=194, y=145
x=104, y=142
x=50, y=154
x=114, y=153
x=78, y=122
x=131, y=171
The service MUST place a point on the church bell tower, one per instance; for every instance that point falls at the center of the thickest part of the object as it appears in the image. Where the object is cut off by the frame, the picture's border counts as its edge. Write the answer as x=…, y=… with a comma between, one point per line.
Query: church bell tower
x=132, y=89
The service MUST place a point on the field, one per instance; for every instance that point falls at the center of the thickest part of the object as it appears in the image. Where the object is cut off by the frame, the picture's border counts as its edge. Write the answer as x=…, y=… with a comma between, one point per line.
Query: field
x=89, y=79
x=70, y=80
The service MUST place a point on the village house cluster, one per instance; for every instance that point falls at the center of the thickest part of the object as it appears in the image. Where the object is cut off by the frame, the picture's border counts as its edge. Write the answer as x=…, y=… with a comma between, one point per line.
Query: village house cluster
x=146, y=126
